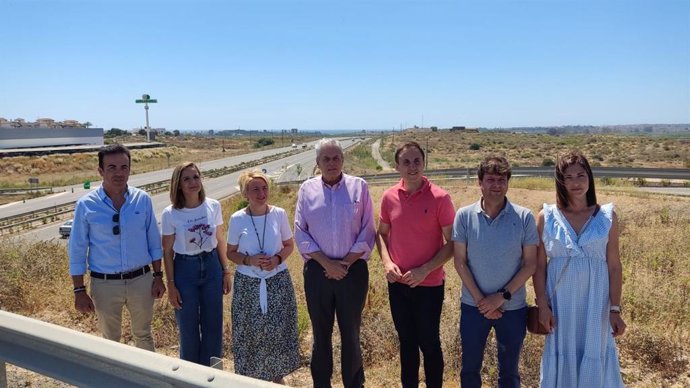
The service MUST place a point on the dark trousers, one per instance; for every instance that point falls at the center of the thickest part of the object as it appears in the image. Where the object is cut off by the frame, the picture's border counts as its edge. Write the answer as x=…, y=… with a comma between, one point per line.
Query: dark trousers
x=417, y=317
x=343, y=299
x=510, y=333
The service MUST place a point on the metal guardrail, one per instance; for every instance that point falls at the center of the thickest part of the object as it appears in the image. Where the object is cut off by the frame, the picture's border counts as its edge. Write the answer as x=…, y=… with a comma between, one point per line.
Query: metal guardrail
x=26, y=190
x=86, y=360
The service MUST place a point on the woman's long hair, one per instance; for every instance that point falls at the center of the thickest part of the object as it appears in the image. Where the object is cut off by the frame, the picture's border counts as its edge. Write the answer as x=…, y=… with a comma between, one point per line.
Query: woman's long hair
x=564, y=161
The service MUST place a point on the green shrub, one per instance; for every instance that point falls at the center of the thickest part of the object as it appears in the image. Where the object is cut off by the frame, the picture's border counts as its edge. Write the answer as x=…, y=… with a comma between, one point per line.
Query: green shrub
x=547, y=162
x=262, y=142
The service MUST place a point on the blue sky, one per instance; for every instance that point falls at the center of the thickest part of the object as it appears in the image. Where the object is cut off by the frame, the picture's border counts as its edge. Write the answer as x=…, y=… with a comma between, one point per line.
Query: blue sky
x=352, y=64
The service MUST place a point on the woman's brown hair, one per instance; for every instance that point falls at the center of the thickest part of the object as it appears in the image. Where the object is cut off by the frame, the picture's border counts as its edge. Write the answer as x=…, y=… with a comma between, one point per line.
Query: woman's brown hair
x=176, y=196
x=564, y=161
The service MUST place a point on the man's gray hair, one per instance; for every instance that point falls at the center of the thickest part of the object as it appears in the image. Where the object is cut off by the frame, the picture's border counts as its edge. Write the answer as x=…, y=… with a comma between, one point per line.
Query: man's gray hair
x=325, y=143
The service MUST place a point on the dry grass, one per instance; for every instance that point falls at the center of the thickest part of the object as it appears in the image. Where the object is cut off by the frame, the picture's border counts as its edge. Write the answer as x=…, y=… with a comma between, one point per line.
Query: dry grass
x=655, y=253
x=455, y=149
x=68, y=169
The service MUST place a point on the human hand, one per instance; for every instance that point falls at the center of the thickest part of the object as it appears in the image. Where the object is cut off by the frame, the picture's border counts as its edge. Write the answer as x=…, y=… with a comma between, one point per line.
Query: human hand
x=495, y=314
x=393, y=273
x=546, y=318
x=227, y=283
x=158, y=288
x=335, y=269
x=269, y=263
x=490, y=303
x=617, y=324
x=257, y=260
x=83, y=303
x=174, y=297
x=414, y=276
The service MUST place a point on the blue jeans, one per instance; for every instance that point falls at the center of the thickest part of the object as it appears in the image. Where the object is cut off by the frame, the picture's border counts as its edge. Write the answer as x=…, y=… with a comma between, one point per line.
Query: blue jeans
x=199, y=280
x=510, y=333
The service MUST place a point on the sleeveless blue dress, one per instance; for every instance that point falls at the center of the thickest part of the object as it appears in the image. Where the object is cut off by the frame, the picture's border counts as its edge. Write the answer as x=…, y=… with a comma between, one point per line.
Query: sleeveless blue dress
x=581, y=352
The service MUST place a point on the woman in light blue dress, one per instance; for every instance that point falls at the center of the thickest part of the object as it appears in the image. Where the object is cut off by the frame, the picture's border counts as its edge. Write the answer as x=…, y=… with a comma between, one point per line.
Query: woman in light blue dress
x=579, y=291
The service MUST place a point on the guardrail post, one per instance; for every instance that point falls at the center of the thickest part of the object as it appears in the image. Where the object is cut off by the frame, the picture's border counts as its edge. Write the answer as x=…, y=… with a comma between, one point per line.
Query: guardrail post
x=3, y=374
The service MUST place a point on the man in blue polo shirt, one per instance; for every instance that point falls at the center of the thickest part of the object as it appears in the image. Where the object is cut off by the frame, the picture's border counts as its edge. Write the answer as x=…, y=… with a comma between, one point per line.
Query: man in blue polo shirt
x=495, y=253
x=115, y=235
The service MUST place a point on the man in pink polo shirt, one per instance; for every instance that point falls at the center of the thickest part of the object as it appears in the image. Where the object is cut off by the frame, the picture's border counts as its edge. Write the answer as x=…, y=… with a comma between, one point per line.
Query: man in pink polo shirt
x=414, y=241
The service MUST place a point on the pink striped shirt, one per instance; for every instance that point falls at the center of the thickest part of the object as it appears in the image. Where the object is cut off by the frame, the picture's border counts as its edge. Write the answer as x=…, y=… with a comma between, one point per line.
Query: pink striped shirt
x=334, y=219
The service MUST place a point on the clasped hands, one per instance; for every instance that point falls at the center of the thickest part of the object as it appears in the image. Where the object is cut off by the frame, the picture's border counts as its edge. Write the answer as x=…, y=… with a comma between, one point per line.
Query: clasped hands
x=491, y=307
x=412, y=277
x=263, y=261
x=336, y=269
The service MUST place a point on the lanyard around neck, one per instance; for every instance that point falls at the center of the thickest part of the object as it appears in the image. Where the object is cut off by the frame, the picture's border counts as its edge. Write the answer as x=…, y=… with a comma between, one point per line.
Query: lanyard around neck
x=262, y=240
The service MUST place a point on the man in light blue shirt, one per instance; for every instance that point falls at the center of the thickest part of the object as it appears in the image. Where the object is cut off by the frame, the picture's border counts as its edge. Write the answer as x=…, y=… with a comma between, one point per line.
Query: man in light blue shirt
x=115, y=237
x=495, y=253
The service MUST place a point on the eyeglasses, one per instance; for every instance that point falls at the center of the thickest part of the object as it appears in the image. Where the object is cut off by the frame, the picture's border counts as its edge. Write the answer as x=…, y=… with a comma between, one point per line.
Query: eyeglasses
x=116, y=228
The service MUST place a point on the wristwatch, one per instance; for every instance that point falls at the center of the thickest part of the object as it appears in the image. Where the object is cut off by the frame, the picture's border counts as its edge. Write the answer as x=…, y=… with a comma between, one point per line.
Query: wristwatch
x=157, y=274
x=506, y=294
x=615, y=309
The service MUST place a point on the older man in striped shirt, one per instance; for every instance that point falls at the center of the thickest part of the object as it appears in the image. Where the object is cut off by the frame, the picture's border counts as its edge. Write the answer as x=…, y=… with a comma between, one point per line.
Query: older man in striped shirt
x=334, y=232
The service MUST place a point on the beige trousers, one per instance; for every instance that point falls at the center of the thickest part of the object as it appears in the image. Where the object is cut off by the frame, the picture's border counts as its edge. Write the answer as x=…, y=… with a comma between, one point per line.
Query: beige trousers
x=109, y=296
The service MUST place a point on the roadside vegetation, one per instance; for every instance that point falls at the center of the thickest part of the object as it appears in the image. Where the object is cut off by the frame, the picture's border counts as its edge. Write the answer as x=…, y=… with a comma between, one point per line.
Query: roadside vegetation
x=655, y=252
x=461, y=149
x=69, y=169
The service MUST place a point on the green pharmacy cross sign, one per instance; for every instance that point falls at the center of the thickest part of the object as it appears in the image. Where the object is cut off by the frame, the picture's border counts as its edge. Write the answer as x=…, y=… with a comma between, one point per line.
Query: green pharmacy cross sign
x=146, y=100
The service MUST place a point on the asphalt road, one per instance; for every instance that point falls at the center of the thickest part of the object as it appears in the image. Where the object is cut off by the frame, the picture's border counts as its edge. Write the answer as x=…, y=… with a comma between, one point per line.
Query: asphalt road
x=70, y=194
x=220, y=187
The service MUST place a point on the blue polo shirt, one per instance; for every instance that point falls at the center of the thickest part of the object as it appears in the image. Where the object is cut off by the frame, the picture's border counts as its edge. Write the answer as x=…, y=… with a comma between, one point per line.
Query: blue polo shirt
x=494, y=247
x=93, y=244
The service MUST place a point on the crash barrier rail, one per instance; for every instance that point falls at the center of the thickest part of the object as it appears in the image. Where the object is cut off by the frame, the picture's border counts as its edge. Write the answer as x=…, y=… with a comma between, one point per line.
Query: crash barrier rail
x=652, y=177
x=19, y=190
x=30, y=219
x=85, y=360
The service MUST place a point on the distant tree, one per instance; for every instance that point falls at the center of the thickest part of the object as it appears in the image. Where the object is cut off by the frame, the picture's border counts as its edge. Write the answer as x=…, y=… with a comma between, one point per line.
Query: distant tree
x=87, y=124
x=114, y=132
x=176, y=132
x=434, y=129
x=168, y=133
x=262, y=142
x=142, y=132
x=547, y=162
x=475, y=146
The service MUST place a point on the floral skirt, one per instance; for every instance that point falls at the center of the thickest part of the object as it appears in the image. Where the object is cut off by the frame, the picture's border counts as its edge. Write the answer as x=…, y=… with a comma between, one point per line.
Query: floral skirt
x=265, y=346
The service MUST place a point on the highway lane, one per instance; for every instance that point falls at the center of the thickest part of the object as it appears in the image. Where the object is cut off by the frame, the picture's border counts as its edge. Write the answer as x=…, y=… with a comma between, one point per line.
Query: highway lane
x=218, y=188
x=70, y=194
x=285, y=169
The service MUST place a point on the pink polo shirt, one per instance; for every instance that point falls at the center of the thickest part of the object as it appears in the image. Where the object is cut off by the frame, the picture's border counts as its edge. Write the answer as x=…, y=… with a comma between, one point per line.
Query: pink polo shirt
x=415, y=226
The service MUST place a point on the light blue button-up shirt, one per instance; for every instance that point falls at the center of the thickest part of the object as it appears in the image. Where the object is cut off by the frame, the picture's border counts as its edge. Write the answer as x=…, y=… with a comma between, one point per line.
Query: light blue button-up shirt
x=93, y=243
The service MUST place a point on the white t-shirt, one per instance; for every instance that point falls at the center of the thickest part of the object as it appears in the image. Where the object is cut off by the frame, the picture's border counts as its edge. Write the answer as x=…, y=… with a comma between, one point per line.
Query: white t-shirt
x=241, y=232
x=194, y=229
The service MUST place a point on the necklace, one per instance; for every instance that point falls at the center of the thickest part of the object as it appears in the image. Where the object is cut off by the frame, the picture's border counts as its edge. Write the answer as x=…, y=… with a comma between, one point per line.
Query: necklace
x=263, y=239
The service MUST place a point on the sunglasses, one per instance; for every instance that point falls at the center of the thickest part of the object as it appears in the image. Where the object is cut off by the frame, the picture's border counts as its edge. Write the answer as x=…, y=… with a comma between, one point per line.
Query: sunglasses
x=116, y=228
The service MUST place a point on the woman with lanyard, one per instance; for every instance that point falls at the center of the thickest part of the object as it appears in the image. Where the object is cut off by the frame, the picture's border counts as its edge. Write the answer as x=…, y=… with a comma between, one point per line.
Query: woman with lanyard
x=264, y=311
x=196, y=265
